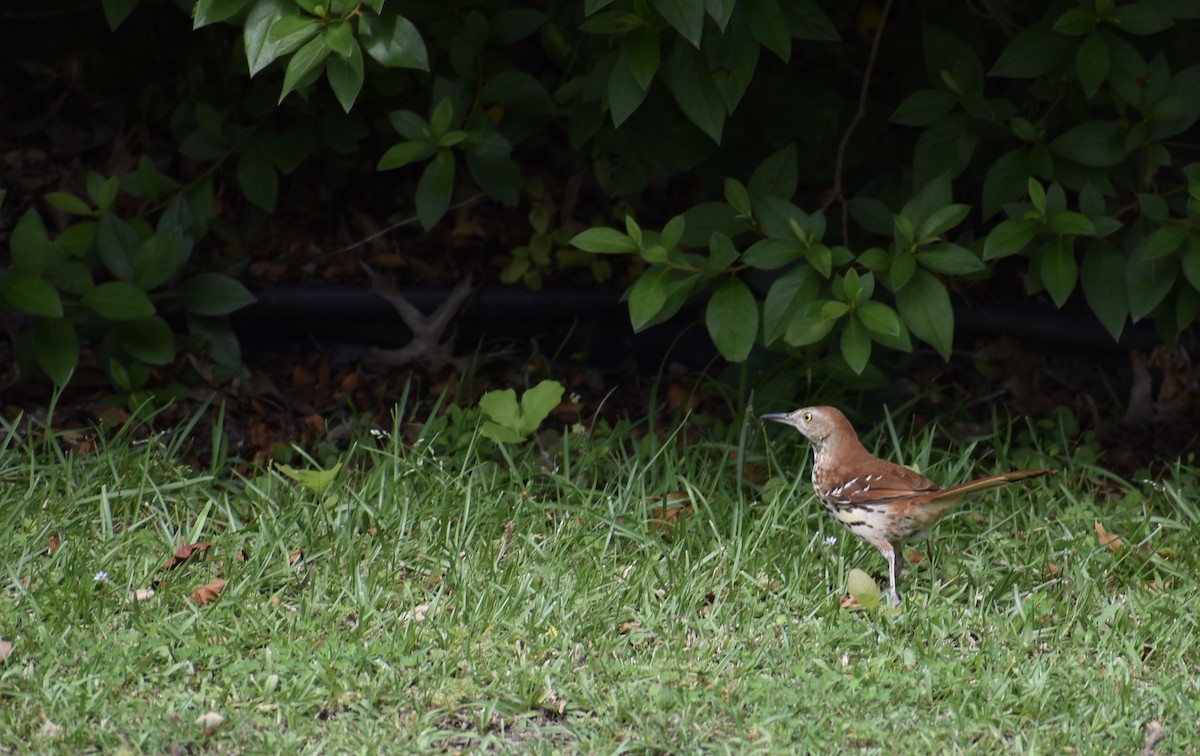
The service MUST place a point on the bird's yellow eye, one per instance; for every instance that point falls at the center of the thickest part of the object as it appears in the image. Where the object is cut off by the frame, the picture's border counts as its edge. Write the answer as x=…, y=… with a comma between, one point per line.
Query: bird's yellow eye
x=807, y=417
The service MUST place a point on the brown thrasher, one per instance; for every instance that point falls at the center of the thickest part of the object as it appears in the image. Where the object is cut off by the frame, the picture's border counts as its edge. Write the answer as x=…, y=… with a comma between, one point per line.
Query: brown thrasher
x=882, y=503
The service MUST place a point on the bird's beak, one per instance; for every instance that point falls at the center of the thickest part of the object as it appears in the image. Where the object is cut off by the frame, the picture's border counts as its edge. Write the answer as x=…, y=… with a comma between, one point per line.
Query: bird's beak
x=778, y=417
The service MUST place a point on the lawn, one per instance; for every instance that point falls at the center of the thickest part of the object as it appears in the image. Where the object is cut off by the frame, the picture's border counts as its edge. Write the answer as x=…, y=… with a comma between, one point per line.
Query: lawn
x=605, y=591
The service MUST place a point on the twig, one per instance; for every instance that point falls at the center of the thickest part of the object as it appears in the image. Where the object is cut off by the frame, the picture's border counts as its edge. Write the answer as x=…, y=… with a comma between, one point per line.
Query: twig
x=427, y=346
x=838, y=192
x=398, y=224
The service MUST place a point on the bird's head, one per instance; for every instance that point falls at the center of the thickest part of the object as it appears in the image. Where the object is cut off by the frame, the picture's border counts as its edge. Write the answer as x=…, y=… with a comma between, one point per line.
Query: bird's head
x=816, y=423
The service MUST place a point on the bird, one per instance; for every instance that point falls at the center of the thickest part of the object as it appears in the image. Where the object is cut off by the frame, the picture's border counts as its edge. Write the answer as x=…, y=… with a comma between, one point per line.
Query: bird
x=878, y=501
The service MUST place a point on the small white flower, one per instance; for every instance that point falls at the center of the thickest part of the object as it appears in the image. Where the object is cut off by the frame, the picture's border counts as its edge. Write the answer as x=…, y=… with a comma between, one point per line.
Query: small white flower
x=100, y=576
x=830, y=540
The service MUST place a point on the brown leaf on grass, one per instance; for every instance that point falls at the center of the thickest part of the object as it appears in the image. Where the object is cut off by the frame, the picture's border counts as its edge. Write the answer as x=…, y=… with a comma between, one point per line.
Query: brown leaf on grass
x=669, y=510
x=6, y=648
x=55, y=542
x=417, y=613
x=296, y=556
x=850, y=603
x=185, y=552
x=208, y=593
x=141, y=594
x=627, y=628
x=1052, y=569
x=1117, y=545
x=915, y=557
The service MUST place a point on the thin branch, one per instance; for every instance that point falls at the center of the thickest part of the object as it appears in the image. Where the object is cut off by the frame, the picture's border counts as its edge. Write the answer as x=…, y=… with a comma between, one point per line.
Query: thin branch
x=838, y=192
x=398, y=224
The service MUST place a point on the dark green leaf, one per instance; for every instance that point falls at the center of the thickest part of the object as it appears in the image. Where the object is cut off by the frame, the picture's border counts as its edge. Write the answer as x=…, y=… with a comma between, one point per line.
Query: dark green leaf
x=808, y=21
x=694, y=91
x=769, y=26
x=1036, y=51
x=515, y=24
x=442, y=117
x=880, y=318
x=212, y=294
x=258, y=180
x=1164, y=241
x=901, y=271
x=791, y=291
x=1103, y=280
x=304, y=64
x=118, y=300
x=732, y=319
x=29, y=243
x=924, y=107
x=56, y=349
x=856, y=345
x=941, y=221
x=950, y=259
x=260, y=51
x=404, y=153
x=1191, y=261
x=434, y=189
x=1058, y=269
x=68, y=203
x=720, y=11
x=821, y=258
x=872, y=215
x=1070, y=223
x=604, y=241
x=117, y=242
x=686, y=16
x=211, y=11
x=116, y=11
x=707, y=217
x=737, y=196
x=346, y=77
x=148, y=339
x=158, y=258
x=806, y=325
x=1147, y=283
x=721, y=253
x=32, y=294
x=393, y=41
x=648, y=295
x=1098, y=144
x=777, y=175
x=1140, y=18
x=1075, y=22
x=1009, y=238
x=769, y=254
x=644, y=57
x=625, y=91
x=925, y=308
x=287, y=32
x=1091, y=63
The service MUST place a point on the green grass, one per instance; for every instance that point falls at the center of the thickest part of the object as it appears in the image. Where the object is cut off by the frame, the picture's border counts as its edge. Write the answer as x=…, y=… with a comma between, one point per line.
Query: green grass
x=451, y=596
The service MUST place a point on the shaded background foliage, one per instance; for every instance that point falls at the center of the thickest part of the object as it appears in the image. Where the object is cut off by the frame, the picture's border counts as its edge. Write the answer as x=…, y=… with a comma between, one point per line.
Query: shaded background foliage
x=820, y=177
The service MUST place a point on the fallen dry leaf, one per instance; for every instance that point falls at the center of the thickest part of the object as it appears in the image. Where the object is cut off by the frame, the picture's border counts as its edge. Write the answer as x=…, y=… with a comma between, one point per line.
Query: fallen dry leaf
x=851, y=603
x=55, y=542
x=185, y=552
x=1053, y=569
x=915, y=557
x=207, y=593
x=1116, y=545
x=142, y=594
x=295, y=556
x=6, y=648
x=669, y=510
x=417, y=613
x=210, y=721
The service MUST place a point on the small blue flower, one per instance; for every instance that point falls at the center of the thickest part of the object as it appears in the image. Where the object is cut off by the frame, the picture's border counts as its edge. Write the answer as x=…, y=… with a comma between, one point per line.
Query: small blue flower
x=830, y=540
x=101, y=576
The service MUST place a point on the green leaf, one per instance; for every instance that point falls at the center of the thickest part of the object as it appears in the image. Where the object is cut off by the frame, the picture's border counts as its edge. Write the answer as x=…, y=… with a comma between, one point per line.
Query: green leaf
x=721, y=253
x=1147, y=283
x=56, y=349
x=257, y=179
x=1092, y=63
x=693, y=88
x=287, y=33
x=29, y=243
x=941, y=221
x=410, y=126
x=314, y=480
x=442, y=118
x=393, y=41
x=1009, y=237
x=1164, y=241
x=303, y=64
x=732, y=319
x=118, y=300
x=1037, y=195
x=924, y=107
x=807, y=326
x=148, y=339
x=212, y=294
x=1058, y=270
x=339, y=37
x=1070, y=223
x=821, y=258
x=511, y=423
x=1103, y=280
x=434, y=189
x=925, y=308
x=117, y=241
x=878, y=317
x=625, y=92
x=648, y=295
x=68, y=203
x=211, y=11
x=604, y=241
x=777, y=175
x=686, y=16
x=770, y=254
x=1140, y=18
x=1191, y=261
x=346, y=77
x=158, y=258
x=769, y=26
x=1097, y=144
x=672, y=232
x=901, y=271
x=402, y=154
x=260, y=51
x=1075, y=22
x=951, y=260
x=32, y=294
x=644, y=57
x=538, y=402
x=788, y=294
x=856, y=346
x=1036, y=51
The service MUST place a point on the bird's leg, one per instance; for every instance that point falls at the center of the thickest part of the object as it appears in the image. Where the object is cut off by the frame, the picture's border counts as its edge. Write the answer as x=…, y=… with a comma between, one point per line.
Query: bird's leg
x=894, y=554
